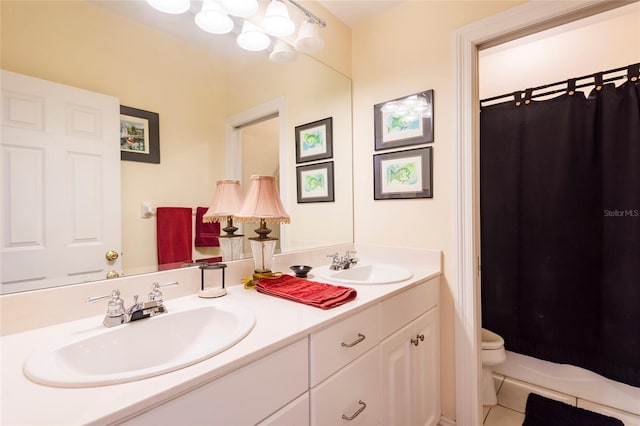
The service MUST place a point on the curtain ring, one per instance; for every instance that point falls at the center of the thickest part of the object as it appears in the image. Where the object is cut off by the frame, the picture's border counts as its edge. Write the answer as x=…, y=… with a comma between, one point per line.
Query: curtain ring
x=598, y=81
x=571, y=86
x=633, y=72
x=517, y=97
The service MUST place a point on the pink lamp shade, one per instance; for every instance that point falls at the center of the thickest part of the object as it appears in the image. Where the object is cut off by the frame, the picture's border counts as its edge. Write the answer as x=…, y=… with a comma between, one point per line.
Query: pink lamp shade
x=226, y=201
x=262, y=202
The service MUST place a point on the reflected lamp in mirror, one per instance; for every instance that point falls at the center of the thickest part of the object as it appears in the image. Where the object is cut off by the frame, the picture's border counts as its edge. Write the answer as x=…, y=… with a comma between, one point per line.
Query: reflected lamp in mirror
x=262, y=204
x=226, y=203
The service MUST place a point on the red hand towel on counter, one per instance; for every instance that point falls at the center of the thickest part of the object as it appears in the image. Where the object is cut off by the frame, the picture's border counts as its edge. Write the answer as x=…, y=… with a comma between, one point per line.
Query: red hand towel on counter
x=206, y=233
x=174, y=232
x=320, y=295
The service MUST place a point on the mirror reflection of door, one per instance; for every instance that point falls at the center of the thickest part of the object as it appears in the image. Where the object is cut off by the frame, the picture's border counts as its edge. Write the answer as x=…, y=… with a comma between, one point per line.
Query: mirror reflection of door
x=60, y=184
x=260, y=156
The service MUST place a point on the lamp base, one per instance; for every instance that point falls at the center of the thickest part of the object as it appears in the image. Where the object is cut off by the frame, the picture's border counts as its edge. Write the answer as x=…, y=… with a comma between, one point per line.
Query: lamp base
x=263, y=250
x=212, y=292
x=231, y=246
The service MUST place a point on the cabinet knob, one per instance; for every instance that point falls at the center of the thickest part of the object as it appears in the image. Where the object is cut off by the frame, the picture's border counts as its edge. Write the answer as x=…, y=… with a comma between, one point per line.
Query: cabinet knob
x=419, y=338
x=354, y=415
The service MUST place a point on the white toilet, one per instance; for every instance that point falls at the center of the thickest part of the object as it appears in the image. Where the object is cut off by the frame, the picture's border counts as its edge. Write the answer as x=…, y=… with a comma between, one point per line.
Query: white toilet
x=492, y=354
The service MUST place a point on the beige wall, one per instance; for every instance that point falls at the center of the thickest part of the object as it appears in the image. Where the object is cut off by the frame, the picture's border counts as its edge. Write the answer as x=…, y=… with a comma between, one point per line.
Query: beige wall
x=402, y=51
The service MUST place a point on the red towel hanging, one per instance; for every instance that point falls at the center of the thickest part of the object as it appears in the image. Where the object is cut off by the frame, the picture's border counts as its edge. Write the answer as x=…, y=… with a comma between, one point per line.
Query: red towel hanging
x=206, y=233
x=174, y=233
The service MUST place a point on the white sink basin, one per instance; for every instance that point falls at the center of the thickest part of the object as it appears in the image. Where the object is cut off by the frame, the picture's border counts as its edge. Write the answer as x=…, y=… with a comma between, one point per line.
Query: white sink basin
x=141, y=349
x=376, y=273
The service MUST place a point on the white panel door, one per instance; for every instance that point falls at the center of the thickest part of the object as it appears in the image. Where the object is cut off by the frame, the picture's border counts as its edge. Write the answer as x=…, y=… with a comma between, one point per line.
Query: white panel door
x=410, y=373
x=60, y=184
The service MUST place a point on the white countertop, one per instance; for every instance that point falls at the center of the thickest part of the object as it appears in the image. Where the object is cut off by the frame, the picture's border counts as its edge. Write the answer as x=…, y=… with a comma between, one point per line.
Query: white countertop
x=278, y=323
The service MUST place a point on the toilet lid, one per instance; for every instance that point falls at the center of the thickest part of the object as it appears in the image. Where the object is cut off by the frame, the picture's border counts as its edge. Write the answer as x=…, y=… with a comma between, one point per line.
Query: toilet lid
x=491, y=340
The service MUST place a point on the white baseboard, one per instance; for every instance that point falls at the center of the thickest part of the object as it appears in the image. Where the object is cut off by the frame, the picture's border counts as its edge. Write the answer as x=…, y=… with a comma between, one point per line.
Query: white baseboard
x=446, y=421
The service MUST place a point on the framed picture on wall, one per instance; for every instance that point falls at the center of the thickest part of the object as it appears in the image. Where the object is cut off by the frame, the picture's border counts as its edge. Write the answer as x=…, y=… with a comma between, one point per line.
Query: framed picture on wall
x=139, y=135
x=404, y=121
x=314, y=141
x=315, y=183
x=403, y=174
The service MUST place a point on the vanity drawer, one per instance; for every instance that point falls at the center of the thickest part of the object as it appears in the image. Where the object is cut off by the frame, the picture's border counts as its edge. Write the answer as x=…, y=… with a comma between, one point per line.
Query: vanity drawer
x=399, y=310
x=337, y=345
x=353, y=392
x=242, y=397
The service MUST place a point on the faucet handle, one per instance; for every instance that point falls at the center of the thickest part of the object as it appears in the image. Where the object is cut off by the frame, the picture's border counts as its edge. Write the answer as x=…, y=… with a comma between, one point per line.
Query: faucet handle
x=335, y=256
x=115, y=307
x=155, y=294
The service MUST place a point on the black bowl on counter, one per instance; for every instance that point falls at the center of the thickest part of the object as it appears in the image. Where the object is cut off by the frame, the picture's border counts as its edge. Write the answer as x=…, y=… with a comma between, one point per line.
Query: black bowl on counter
x=301, y=271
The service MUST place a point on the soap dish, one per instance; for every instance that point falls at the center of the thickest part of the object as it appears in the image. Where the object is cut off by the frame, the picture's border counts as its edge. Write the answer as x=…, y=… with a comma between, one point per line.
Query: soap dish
x=301, y=271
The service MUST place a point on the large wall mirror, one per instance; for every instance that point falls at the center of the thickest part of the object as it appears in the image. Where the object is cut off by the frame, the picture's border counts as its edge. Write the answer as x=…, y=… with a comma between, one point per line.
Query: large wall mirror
x=123, y=49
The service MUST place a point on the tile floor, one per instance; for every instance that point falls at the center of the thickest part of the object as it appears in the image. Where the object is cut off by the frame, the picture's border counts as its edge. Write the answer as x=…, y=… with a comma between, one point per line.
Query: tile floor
x=512, y=399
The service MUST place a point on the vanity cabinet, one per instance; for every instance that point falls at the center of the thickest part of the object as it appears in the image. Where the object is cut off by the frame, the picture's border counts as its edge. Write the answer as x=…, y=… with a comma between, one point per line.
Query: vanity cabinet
x=382, y=363
x=410, y=369
x=379, y=365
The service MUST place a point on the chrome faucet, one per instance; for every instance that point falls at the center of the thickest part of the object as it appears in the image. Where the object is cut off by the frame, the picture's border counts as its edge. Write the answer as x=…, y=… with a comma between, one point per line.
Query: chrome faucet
x=117, y=314
x=344, y=262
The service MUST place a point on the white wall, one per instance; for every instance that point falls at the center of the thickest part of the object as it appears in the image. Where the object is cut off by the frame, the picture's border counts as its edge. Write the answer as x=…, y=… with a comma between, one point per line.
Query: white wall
x=598, y=43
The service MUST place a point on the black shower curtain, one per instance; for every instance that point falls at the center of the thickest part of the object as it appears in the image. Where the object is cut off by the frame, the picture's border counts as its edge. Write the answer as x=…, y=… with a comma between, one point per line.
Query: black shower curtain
x=560, y=227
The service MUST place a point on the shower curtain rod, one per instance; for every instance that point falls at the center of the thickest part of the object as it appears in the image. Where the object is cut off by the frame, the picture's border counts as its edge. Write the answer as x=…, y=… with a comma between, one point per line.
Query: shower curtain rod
x=551, y=92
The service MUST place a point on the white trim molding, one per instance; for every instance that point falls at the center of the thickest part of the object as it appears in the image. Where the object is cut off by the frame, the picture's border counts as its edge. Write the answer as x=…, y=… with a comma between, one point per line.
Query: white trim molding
x=525, y=19
x=233, y=142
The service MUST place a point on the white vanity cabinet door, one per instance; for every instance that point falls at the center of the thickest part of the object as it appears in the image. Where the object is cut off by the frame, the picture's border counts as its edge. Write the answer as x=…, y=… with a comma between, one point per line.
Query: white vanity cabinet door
x=353, y=392
x=411, y=373
x=334, y=347
x=296, y=413
x=402, y=308
x=242, y=397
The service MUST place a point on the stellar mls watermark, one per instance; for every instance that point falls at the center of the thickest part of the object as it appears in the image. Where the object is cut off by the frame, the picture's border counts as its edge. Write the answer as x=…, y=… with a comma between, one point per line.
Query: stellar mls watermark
x=622, y=213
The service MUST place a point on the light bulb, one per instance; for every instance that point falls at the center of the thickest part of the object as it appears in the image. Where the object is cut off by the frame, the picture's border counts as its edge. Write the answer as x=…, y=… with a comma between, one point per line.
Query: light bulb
x=173, y=7
x=252, y=38
x=213, y=19
x=308, y=40
x=276, y=21
x=283, y=53
x=241, y=8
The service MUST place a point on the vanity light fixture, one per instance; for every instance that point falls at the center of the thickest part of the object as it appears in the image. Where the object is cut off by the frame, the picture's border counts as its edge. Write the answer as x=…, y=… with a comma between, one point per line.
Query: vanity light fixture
x=173, y=7
x=262, y=204
x=254, y=33
x=226, y=203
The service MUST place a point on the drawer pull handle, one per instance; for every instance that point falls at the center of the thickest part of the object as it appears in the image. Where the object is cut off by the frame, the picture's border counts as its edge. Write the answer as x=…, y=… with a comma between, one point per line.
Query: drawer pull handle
x=419, y=338
x=360, y=410
x=355, y=342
